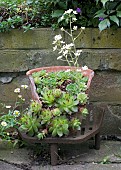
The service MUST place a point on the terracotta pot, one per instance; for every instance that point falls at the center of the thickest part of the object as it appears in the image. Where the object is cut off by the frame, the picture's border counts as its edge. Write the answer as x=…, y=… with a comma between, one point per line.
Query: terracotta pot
x=87, y=73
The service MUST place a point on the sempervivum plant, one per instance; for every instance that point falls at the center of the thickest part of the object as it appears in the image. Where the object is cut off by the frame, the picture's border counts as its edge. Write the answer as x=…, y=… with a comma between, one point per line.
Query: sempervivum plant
x=61, y=95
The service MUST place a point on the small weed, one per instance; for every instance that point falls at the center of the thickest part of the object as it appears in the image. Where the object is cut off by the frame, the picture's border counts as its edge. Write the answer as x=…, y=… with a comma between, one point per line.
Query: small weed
x=106, y=160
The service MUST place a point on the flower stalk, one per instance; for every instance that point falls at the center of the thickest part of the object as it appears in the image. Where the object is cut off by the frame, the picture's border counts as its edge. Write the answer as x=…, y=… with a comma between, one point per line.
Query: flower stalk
x=68, y=52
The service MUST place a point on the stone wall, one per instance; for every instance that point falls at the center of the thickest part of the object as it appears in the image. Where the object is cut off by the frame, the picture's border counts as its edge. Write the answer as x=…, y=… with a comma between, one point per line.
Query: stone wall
x=20, y=52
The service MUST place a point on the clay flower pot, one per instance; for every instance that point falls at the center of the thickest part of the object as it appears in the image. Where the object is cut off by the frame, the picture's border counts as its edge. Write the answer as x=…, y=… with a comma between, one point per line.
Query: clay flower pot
x=86, y=72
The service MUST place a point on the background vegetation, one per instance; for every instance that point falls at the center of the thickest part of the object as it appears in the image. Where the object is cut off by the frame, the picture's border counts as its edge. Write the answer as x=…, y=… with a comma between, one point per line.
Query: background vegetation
x=29, y=14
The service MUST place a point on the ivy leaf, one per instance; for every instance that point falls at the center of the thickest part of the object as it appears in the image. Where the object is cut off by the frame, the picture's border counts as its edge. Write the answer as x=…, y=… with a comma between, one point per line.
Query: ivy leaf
x=62, y=5
x=101, y=15
x=97, y=1
x=104, y=2
x=118, y=13
x=118, y=8
x=104, y=24
x=102, y=11
x=57, y=13
x=114, y=19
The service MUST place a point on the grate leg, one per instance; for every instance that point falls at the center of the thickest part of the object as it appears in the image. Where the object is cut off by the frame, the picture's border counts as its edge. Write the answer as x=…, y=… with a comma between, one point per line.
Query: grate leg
x=97, y=141
x=54, y=154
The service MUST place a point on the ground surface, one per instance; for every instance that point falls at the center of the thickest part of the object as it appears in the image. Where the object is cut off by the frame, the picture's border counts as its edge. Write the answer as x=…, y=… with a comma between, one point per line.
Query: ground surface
x=71, y=157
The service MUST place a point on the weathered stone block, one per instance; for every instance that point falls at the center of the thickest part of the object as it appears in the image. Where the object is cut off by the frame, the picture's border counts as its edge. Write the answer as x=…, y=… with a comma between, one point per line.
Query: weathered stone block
x=13, y=61
x=108, y=38
x=42, y=39
x=93, y=38
x=23, y=60
x=37, y=38
x=83, y=40
x=100, y=59
x=106, y=87
x=7, y=94
x=111, y=124
x=112, y=119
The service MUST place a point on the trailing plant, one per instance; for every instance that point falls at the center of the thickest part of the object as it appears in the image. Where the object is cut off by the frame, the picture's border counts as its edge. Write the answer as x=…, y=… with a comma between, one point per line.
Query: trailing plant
x=8, y=121
x=10, y=118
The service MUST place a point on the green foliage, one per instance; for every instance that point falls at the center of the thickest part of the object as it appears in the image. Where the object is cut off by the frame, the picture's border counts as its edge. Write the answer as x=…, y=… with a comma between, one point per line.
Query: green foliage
x=110, y=14
x=56, y=112
x=7, y=122
x=62, y=75
x=27, y=14
x=82, y=98
x=46, y=116
x=59, y=126
x=27, y=27
x=10, y=23
x=106, y=160
x=41, y=73
x=29, y=124
x=104, y=24
x=75, y=124
x=84, y=18
x=67, y=103
x=47, y=96
x=31, y=14
x=72, y=88
x=57, y=93
x=35, y=107
x=41, y=135
x=57, y=79
x=84, y=112
x=64, y=91
x=44, y=81
x=10, y=118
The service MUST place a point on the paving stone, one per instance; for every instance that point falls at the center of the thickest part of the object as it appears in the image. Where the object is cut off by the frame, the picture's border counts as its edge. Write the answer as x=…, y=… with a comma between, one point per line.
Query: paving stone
x=17, y=156
x=7, y=166
x=89, y=166
x=78, y=153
